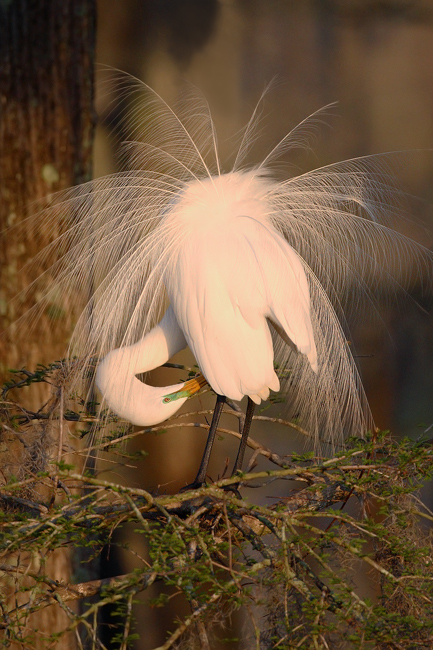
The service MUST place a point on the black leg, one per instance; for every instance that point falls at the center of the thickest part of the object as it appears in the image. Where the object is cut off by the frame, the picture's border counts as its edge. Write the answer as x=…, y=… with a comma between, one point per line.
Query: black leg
x=200, y=479
x=245, y=432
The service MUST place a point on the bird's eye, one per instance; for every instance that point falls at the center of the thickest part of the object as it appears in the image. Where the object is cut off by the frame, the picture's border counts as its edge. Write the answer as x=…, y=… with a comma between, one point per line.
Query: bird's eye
x=166, y=400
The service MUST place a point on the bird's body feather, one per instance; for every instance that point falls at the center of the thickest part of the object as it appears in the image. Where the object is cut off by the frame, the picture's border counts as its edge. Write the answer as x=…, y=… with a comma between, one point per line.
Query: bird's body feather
x=236, y=270
x=254, y=268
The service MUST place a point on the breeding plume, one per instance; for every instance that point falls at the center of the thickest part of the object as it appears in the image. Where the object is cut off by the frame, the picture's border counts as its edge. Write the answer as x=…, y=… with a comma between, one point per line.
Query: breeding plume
x=247, y=270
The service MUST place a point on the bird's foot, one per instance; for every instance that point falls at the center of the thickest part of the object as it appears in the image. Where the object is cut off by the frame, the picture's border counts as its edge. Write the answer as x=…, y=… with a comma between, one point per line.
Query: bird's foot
x=195, y=485
x=234, y=487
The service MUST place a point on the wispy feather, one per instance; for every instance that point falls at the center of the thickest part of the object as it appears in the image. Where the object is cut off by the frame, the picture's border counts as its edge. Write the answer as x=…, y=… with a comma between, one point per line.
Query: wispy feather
x=132, y=242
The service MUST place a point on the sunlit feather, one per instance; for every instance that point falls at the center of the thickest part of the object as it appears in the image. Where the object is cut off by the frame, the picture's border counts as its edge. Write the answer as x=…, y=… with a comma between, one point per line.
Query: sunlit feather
x=255, y=268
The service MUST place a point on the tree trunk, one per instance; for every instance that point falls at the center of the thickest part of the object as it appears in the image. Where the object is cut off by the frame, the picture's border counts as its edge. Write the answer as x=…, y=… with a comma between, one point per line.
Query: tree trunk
x=46, y=136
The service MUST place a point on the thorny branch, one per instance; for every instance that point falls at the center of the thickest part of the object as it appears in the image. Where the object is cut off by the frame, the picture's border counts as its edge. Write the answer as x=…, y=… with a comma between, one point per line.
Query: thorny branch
x=217, y=549
x=64, y=593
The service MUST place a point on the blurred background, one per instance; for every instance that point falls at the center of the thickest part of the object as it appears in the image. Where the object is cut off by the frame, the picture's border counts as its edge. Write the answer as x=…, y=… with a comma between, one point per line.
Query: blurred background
x=372, y=57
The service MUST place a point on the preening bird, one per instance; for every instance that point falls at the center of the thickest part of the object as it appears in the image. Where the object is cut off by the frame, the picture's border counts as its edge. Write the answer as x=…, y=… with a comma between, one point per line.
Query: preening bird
x=247, y=270
x=233, y=278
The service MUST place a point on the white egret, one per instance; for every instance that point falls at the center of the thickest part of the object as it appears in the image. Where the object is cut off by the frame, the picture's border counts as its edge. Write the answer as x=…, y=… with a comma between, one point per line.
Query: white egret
x=232, y=276
x=248, y=269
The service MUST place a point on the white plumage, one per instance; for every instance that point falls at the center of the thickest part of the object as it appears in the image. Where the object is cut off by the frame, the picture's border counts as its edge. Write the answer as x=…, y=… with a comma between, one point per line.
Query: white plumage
x=232, y=271
x=248, y=269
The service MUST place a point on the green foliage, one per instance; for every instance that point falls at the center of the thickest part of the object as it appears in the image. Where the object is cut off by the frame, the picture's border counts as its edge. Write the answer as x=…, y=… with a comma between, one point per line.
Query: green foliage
x=345, y=560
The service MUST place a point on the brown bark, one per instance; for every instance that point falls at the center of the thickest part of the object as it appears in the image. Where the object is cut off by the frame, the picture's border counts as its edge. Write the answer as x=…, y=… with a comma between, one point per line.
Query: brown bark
x=46, y=136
